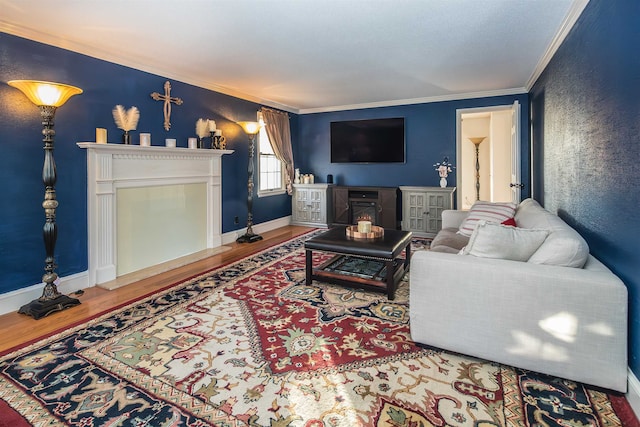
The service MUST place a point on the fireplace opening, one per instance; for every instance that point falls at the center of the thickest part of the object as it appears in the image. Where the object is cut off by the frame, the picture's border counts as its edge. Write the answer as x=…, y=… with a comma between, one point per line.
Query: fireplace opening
x=361, y=210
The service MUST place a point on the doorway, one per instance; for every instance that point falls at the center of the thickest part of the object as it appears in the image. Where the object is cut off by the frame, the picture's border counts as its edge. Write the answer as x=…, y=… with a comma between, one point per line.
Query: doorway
x=488, y=155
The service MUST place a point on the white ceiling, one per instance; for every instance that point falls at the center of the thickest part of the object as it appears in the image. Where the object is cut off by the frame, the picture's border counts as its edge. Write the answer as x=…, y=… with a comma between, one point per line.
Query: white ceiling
x=313, y=55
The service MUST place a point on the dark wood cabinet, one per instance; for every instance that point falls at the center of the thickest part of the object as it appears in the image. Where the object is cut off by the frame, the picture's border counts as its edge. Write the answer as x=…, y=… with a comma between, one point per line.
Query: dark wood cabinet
x=377, y=203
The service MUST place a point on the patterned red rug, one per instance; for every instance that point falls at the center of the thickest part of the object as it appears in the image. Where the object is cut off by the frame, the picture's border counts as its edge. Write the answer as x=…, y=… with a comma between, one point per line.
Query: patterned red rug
x=250, y=344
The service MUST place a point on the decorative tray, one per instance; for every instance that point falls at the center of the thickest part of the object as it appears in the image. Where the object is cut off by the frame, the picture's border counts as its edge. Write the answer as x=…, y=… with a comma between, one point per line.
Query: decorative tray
x=375, y=233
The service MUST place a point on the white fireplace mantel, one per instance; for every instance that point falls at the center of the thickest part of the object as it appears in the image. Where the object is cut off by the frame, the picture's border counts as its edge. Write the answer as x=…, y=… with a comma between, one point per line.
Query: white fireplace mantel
x=113, y=166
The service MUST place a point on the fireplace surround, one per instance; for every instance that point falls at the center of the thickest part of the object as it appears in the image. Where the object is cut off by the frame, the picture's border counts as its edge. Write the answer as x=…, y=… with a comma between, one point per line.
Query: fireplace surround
x=111, y=167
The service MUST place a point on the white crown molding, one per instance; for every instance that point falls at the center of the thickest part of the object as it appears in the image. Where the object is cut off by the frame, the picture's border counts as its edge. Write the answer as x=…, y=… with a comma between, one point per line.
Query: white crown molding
x=411, y=101
x=127, y=61
x=572, y=16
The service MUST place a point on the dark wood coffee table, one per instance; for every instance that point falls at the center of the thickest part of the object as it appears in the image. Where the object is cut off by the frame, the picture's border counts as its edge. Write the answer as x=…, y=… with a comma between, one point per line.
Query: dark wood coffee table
x=386, y=249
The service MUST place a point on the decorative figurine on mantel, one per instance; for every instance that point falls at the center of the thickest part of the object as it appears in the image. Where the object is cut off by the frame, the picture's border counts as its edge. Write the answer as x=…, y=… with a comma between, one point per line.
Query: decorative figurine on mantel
x=444, y=168
x=218, y=142
x=127, y=120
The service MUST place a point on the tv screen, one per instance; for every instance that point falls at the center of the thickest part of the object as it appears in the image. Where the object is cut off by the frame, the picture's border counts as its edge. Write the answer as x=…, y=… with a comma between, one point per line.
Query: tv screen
x=368, y=141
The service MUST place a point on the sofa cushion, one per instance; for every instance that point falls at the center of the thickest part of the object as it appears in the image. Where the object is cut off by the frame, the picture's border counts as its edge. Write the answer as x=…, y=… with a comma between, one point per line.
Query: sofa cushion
x=490, y=240
x=486, y=211
x=448, y=240
x=563, y=247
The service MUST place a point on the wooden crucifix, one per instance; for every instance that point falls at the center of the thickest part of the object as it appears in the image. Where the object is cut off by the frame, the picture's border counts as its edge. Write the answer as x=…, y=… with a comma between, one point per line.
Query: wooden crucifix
x=168, y=99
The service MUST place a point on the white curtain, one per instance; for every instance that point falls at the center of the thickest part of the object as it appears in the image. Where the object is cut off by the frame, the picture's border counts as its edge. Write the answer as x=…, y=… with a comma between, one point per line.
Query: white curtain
x=279, y=133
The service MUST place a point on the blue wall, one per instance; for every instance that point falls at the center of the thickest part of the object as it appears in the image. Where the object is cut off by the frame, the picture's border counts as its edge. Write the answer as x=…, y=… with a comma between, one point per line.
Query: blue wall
x=430, y=133
x=586, y=135
x=105, y=85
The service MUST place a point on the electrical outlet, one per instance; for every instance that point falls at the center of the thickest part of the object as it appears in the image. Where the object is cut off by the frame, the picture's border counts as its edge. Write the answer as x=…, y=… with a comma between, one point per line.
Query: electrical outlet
x=236, y=220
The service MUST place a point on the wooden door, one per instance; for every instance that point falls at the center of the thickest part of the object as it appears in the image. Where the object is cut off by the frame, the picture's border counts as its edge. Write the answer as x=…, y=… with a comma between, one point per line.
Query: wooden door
x=341, y=205
x=387, y=207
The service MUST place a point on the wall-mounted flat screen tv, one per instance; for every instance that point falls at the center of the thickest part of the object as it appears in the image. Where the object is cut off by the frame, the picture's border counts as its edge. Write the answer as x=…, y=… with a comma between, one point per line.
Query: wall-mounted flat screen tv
x=368, y=141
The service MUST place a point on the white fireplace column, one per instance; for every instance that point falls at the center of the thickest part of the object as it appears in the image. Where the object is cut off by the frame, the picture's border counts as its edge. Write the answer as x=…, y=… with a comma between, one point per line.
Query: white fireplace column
x=114, y=166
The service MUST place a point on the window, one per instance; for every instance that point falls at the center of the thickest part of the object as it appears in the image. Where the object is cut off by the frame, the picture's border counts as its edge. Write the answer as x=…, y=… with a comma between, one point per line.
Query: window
x=270, y=169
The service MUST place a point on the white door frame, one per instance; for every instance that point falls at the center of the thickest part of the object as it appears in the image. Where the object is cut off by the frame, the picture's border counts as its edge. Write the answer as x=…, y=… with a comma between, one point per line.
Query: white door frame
x=459, y=113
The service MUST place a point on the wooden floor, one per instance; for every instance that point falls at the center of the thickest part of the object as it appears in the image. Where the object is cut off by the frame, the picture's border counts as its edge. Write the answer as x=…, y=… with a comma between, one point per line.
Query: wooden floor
x=17, y=329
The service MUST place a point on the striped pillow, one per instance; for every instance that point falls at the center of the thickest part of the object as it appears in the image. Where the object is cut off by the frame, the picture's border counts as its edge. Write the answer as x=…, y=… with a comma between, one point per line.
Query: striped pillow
x=486, y=211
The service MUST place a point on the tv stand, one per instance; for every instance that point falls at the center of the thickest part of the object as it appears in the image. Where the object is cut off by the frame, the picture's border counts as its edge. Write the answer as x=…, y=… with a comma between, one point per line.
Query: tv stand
x=379, y=204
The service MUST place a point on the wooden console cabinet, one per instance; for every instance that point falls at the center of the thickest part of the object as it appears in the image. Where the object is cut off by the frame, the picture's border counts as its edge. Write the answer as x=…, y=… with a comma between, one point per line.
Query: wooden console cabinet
x=422, y=208
x=380, y=202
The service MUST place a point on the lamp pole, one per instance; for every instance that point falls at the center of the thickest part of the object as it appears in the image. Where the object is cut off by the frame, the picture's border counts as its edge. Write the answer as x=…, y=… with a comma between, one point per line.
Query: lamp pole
x=251, y=129
x=477, y=141
x=48, y=97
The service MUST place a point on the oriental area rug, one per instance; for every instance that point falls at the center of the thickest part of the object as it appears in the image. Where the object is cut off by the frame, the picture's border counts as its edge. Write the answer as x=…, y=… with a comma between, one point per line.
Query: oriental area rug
x=249, y=344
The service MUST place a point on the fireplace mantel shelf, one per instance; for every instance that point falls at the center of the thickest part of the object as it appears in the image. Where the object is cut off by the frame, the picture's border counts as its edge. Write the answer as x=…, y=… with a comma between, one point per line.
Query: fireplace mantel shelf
x=112, y=167
x=153, y=149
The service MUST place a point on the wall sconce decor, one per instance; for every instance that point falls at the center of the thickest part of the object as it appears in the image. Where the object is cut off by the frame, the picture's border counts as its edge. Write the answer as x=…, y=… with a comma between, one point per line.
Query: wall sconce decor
x=251, y=129
x=48, y=96
x=167, y=99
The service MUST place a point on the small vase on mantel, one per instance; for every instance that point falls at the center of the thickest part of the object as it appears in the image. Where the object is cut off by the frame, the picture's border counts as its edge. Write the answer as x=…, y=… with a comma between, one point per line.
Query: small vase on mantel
x=443, y=182
x=126, y=138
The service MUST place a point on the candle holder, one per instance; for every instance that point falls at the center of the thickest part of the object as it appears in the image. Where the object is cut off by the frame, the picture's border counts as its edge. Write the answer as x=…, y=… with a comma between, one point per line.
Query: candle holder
x=214, y=142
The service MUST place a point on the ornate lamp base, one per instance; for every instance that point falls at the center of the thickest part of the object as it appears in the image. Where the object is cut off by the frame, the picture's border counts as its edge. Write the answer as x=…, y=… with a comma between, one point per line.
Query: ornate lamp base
x=248, y=238
x=40, y=308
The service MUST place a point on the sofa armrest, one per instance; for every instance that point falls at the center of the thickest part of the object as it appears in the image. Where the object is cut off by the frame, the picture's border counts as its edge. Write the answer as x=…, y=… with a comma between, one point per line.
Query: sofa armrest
x=561, y=321
x=452, y=218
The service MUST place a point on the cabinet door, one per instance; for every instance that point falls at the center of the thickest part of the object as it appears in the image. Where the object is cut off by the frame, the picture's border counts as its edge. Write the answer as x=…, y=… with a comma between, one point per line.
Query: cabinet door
x=387, y=207
x=341, y=205
x=316, y=206
x=415, y=215
x=436, y=203
x=300, y=209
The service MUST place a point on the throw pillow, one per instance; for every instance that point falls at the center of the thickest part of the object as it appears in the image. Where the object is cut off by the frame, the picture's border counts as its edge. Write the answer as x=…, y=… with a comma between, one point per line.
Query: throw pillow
x=486, y=211
x=490, y=240
x=511, y=222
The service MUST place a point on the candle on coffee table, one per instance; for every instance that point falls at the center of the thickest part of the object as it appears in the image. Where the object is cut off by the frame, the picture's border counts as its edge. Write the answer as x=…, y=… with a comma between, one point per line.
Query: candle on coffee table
x=364, y=226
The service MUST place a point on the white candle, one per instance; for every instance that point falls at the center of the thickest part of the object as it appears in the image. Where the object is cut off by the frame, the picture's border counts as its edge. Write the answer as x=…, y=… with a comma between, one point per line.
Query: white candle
x=101, y=135
x=170, y=142
x=212, y=125
x=218, y=132
x=193, y=142
x=364, y=226
x=145, y=139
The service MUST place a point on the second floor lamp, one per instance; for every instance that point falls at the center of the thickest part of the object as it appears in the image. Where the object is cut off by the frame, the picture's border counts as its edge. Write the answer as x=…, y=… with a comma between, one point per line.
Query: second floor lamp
x=251, y=129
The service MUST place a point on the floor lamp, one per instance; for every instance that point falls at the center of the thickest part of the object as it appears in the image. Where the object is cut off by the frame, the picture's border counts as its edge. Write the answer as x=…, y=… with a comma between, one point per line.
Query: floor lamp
x=48, y=96
x=251, y=129
x=477, y=141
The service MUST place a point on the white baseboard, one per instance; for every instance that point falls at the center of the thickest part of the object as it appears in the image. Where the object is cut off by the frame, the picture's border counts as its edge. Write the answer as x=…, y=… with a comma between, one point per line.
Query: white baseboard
x=12, y=301
x=633, y=393
x=263, y=227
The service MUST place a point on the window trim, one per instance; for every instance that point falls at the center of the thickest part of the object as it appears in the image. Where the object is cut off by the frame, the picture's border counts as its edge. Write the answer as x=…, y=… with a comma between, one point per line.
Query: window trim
x=272, y=192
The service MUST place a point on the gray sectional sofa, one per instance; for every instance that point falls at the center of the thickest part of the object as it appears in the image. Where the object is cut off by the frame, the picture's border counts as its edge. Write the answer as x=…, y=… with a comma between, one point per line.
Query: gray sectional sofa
x=559, y=312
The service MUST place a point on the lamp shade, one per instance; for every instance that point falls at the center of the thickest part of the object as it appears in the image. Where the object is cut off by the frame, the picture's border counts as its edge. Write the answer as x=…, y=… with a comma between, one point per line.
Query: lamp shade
x=251, y=128
x=45, y=93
